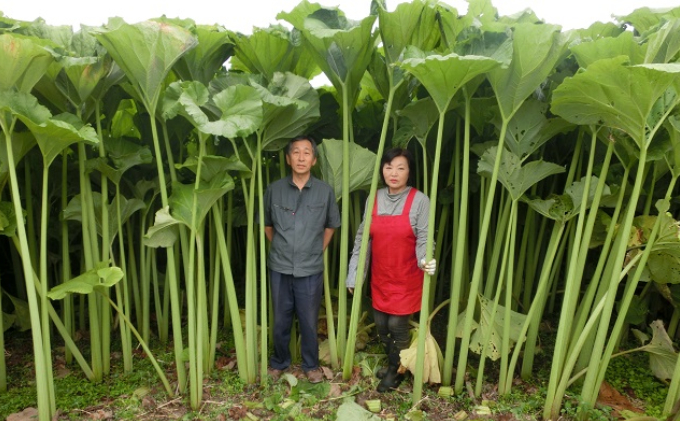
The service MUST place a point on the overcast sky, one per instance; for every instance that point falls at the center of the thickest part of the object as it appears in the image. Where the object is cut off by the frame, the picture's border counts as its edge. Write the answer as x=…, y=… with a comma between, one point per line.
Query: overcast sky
x=242, y=15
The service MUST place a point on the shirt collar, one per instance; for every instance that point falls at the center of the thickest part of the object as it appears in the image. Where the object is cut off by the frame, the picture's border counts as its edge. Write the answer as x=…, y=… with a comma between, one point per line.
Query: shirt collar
x=307, y=185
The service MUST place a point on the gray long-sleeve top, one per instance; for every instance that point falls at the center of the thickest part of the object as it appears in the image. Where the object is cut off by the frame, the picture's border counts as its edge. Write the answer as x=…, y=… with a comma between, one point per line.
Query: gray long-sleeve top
x=393, y=204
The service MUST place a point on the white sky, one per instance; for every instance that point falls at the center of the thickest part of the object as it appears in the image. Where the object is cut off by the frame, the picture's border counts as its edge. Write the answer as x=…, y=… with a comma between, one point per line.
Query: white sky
x=242, y=15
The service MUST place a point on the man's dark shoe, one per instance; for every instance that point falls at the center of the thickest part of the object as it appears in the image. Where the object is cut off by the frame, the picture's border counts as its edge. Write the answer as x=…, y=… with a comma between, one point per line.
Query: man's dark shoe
x=315, y=376
x=391, y=380
x=381, y=372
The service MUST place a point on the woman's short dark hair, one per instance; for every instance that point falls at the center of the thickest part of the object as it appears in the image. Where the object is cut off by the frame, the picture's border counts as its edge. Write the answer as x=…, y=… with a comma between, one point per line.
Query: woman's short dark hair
x=311, y=140
x=389, y=155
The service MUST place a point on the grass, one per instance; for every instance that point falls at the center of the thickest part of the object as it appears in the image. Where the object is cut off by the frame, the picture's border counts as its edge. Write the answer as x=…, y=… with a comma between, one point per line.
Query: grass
x=139, y=395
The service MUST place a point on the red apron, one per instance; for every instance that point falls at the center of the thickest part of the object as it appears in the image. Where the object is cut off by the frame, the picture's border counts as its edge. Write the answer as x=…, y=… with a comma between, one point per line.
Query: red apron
x=396, y=279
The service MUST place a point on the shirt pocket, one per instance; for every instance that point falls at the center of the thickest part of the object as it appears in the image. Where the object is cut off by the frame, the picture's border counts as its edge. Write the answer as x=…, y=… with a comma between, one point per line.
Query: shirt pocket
x=283, y=217
x=317, y=215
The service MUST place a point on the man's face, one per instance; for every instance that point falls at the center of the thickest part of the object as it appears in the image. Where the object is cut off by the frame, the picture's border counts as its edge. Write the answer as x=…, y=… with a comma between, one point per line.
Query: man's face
x=301, y=157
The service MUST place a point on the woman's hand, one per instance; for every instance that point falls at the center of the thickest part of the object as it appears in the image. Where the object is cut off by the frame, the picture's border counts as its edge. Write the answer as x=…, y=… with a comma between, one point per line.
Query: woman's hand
x=429, y=267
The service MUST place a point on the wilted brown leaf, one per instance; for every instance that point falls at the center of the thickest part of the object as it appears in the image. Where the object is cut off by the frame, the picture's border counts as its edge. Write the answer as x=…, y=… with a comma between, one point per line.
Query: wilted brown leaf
x=237, y=412
x=335, y=390
x=28, y=414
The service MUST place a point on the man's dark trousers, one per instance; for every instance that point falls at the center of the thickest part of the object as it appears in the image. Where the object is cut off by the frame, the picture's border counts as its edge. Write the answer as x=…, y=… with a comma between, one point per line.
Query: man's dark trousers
x=301, y=296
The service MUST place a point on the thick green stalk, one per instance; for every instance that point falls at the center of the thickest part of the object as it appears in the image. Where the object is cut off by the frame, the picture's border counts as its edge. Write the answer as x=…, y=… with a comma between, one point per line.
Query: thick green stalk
x=171, y=274
x=595, y=284
x=505, y=375
x=343, y=337
x=534, y=314
x=44, y=316
x=251, y=285
x=44, y=388
x=216, y=260
x=330, y=322
x=236, y=327
x=479, y=258
x=442, y=227
x=597, y=312
x=625, y=302
x=30, y=220
x=263, y=264
x=90, y=250
x=591, y=386
x=500, y=229
x=424, y=306
x=59, y=325
x=491, y=322
x=348, y=360
x=673, y=389
x=67, y=311
x=122, y=293
x=460, y=247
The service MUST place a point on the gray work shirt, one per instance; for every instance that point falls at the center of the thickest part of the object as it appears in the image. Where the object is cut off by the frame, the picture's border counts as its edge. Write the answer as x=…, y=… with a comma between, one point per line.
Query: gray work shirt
x=299, y=218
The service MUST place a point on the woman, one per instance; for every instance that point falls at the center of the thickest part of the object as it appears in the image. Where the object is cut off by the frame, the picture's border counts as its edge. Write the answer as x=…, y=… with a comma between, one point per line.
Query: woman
x=398, y=240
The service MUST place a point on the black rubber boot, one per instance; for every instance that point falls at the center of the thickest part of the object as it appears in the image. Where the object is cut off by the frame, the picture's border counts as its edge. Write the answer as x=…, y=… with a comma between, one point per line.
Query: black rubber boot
x=391, y=380
x=381, y=372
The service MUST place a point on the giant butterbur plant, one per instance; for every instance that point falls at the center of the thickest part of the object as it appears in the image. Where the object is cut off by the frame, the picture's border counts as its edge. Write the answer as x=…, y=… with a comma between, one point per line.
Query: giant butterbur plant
x=551, y=175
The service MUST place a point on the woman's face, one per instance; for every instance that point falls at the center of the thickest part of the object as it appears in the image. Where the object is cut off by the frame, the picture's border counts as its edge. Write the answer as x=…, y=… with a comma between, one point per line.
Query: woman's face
x=395, y=173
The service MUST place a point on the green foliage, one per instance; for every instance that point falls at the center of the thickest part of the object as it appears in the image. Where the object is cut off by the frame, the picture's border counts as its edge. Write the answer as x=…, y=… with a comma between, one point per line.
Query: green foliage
x=626, y=374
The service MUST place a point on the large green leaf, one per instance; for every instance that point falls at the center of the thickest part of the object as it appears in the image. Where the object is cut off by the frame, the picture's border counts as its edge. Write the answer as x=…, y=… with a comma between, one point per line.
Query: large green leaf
x=342, y=48
x=615, y=95
x=58, y=133
x=186, y=99
x=422, y=115
x=182, y=199
x=361, y=162
x=23, y=105
x=564, y=207
x=7, y=320
x=125, y=154
x=662, y=356
x=22, y=143
x=123, y=122
x=241, y=112
x=644, y=18
x=290, y=106
x=485, y=328
x=536, y=49
x=529, y=128
x=99, y=278
x=514, y=176
x=146, y=52
x=663, y=44
x=443, y=76
x=271, y=50
x=587, y=53
x=21, y=311
x=84, y=74
x=673, y=153
x=8, y=220
x=413, y=23
x=23, y=61
x=128, y=207
x=213, y=49
x=239, y=108
x=164, y=232
x=215, y=166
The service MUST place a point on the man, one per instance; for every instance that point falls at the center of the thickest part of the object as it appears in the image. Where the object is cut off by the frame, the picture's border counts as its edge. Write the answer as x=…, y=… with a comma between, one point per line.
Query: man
x=300, y=218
